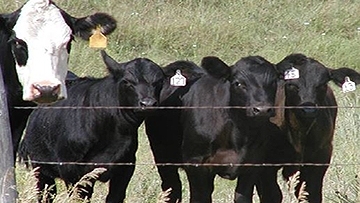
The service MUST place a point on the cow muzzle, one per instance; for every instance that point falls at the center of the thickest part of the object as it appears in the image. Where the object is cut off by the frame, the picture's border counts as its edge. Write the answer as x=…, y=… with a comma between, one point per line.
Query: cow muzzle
x=45, y=93
x=261, y=111
x=308, y=110
x=145, y=103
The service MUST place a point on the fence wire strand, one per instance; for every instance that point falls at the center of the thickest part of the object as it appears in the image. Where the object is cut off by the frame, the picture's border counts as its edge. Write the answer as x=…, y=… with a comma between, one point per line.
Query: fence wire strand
x=182, y=107
x=193, y=164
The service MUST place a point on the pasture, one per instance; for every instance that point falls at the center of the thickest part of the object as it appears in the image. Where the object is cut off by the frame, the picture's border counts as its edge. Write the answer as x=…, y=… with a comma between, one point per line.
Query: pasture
x=165, y=31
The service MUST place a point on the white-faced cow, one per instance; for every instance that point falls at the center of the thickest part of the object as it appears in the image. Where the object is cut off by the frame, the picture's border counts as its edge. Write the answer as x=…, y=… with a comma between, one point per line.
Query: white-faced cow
x=35, y=43
x=234, y=135
x=309, y=129
x=87, y=133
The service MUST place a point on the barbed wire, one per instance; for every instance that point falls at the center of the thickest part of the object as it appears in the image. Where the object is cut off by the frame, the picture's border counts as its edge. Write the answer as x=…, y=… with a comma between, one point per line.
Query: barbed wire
x=182, y=107
x=189, y=164
x=192, y=164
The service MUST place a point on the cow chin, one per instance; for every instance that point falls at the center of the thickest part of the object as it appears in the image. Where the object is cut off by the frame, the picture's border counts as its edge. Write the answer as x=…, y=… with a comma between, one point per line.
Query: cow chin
x=144, y=111
x=48, y=99
x=44, y=97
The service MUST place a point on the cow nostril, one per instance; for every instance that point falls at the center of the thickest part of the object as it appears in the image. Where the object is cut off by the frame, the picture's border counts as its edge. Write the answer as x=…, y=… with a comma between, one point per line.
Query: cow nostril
x=256, y=111
x=46, y=92
x=309, y=107
x=148, y=103
x=262, y=111
x=47, y=88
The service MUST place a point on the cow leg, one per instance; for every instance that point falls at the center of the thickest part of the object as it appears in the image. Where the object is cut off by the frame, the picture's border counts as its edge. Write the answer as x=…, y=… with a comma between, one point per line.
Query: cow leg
x=118, y=183
x=48, y=183
x=165, y=142
x=245, y=187
x=267, y=186
x=313, y=177
x=201, y=183
x=171, y=179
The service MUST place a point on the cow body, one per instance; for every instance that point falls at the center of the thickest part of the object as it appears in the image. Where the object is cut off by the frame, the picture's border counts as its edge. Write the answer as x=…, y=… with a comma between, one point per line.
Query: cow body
x=37, y=39
x=105, y=135
x=310, y=130
x=164, y=128
x=230, y=136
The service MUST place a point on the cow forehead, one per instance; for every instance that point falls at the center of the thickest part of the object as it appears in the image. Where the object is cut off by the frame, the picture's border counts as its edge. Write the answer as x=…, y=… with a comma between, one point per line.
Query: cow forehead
x=41, y=24
x=143, y=70
x=255, y=72
x=312, y=73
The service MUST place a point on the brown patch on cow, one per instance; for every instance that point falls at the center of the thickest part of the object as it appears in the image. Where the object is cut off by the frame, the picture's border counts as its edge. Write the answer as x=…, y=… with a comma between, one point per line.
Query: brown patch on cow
x=279, y=118
x=224, y=156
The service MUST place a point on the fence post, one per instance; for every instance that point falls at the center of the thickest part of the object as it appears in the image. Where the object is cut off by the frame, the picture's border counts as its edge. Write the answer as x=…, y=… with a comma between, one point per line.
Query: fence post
x=8, y=191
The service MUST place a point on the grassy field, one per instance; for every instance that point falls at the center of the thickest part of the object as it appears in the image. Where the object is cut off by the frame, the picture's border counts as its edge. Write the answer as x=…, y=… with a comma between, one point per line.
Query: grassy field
x=165, y=31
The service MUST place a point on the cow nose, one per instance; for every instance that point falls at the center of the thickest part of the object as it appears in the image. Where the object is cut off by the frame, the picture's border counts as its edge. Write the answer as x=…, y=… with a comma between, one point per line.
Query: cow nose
x=309, y=109
x=263, y=111
x=148, y=102
x=46, y=93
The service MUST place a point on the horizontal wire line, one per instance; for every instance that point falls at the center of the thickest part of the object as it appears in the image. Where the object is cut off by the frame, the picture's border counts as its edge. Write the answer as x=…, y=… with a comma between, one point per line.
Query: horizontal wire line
x=183, y=107
x=191, y=164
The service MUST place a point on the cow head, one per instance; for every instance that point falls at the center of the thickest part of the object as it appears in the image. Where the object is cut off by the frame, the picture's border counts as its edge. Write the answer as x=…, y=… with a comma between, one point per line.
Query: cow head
x=253, y=83
x=310, y=88
x=171, y=94
x=40, y=36
x=140, y=81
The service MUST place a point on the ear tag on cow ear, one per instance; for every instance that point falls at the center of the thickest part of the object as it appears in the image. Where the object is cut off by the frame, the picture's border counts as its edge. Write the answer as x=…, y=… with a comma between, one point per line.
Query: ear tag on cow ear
x=291, y=74
x=97, y=40
x=348, y=85
x=178, y=80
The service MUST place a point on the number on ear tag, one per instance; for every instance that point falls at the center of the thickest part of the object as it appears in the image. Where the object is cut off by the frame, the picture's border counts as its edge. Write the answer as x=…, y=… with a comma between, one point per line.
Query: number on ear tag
x=348, y=85
x=291, y=74
x=178, y=80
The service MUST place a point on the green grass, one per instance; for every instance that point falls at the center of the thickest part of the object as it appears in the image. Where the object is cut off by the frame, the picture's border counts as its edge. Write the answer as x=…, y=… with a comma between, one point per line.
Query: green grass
x=165, y=31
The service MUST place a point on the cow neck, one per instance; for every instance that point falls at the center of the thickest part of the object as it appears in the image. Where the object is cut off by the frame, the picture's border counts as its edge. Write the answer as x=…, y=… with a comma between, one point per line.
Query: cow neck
x=298, y=131
x=132, y=117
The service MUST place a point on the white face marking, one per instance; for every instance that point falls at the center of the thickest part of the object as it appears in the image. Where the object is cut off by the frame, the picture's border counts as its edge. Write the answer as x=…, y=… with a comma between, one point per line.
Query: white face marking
x=46, y=33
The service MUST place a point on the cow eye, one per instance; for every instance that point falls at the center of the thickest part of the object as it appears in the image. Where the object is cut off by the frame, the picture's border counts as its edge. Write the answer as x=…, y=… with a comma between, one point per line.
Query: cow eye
x=126, y=83
x=238, y=84
x=158, y=83
x=20, y=51
x=321, y=87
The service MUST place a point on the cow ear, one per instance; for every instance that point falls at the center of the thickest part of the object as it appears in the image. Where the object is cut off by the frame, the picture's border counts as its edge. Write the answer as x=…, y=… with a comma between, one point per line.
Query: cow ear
x=85, y=27
x=216, y=67
x=111, y=64
x=338, y=75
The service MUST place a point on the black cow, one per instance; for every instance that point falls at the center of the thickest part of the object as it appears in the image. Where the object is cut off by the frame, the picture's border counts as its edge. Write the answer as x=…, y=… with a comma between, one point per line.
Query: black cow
x=100, y=135
x=36, y=39
x=230, y=136
x=309, y=129
x=164, y=129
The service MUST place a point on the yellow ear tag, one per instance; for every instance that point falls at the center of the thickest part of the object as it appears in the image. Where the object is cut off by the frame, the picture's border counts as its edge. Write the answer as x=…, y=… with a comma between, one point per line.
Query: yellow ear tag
x=97, y=40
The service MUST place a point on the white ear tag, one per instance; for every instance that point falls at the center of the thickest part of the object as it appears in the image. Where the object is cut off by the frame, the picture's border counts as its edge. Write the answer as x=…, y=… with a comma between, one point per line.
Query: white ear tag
x=291, y=74
x=178, y=79
x=348, y=85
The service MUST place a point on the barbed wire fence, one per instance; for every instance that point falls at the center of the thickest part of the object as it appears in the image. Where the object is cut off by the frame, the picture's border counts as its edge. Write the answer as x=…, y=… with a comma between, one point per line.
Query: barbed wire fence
x=49, y=107
x=153, y=164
